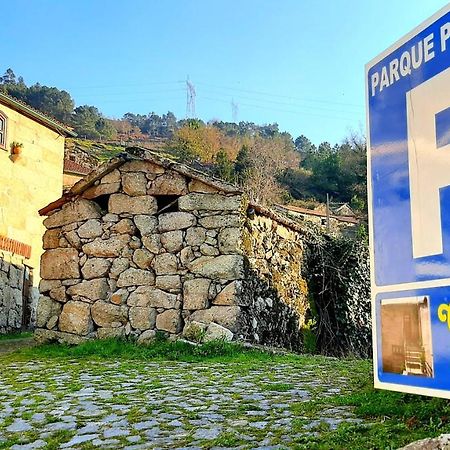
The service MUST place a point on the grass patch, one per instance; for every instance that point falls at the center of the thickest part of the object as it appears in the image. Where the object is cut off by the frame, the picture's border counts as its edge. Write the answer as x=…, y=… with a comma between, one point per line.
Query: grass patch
x=16, y=335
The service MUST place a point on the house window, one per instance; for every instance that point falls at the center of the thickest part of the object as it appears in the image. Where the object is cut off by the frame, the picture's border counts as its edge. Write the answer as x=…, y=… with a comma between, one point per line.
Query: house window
x=2, y=130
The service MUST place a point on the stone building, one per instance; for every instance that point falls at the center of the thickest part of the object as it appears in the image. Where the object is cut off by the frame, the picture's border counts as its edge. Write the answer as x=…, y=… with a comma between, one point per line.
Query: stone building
x=143, y=244
x=31, y=172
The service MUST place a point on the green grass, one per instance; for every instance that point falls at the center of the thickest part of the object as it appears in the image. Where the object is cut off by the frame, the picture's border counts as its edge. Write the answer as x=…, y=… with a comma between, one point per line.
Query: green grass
x=16, y=335
x=390, y=419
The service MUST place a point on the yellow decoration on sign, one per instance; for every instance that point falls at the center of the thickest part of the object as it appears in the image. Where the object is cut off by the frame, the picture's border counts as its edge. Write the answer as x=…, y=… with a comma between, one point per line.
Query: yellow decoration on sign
x=444, y=314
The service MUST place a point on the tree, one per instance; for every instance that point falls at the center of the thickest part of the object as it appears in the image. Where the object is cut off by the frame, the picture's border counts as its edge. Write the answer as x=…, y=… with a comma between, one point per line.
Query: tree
x=243, y=164
x=224, y=167
x=89, y=123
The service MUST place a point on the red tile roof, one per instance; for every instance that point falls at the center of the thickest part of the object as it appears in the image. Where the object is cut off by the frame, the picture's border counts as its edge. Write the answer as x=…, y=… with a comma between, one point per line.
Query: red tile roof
x=74, y=167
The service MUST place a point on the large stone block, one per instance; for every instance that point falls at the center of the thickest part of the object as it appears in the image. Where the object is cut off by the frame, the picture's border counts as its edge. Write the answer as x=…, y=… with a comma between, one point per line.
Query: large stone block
x=195, y=236
x=76, y=318
x=60, y=264
x=223, y=267
x=196, y=293
x=95, y=268
x=230, y=240
x=170, y=183
x=142, y=166
x=121, y=203
x=71, y=212
x=90, y=229
x=124, y=226
x=216, y=332
x=134, y=183
x=176, y=221
x=101, y=189
x=146, y=224
x=172, y=241
x=136, y=277
x=46, y=308
x=106, y=248
x=170, y=283
x=143, y=258
x=42, y=336
x=96, y=289
x=199, y=186
x=209, y=202
x=105, y=314
x=111, y=177
x=211, y=222
x=228, y=296
x=111, y=333
x=227, y=316
x=51, y=239
x=152, y=243
x=165, y=264
x=170, y=321
x=150, y=296
x=142, y=318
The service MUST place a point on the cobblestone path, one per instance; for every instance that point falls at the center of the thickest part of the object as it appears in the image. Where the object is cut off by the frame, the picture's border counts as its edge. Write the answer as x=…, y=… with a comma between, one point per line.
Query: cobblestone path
x=140, y=405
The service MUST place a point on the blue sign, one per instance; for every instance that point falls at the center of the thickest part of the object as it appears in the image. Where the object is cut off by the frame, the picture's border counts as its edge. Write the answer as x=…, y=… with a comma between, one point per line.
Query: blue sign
x=408, y=99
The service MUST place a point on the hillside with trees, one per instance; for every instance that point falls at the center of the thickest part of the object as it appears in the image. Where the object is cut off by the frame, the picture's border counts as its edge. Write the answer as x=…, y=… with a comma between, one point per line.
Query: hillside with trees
x=270, y=164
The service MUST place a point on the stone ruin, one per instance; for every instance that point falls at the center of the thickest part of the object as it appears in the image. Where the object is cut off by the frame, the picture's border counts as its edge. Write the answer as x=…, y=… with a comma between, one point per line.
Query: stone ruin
x=144, y=245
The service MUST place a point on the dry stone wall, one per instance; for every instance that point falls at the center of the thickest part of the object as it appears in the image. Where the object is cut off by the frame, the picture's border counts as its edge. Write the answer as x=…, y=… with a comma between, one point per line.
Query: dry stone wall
x=145, y=249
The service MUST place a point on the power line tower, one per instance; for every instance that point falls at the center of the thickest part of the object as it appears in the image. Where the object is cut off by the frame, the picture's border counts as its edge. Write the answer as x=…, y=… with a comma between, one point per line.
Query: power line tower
x=190, y=99
x=234, y=111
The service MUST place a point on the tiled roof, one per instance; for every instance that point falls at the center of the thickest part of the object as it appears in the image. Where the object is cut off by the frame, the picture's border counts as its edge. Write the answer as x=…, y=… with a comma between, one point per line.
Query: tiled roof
x=74, y=167
x=316, y=213
x=33, y=113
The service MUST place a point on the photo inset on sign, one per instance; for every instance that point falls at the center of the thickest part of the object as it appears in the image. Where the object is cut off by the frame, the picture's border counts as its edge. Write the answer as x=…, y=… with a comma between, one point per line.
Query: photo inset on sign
x=406, y=336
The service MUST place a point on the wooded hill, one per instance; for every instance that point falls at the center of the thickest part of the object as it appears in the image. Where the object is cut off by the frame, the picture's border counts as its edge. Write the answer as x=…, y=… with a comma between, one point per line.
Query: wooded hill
x=270, y=164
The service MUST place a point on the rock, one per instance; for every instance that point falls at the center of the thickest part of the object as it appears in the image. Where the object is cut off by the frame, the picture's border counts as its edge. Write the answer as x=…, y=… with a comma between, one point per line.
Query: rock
x=217, y=332
x=169, y=321
x=230, y=240
x=175, y=221
x=111, y=177
x=146, y=224
x=172, y=241
x=75, y=318
x=170, y=183
x=135, y=243
x=96, y=289
x=42, y=336
x=199, y=186
x=171, y=283
x=58, y=294
x=196, y=293
x=113, y=218
x=47, y=285
x=73, y=239
x=110, y=333
x=136, y=277
x=119, y=297
x=71, y=212
x=152, y=243
x=231, y=220
x=90, y=229
x=224, y=267
x=228, y=295
x=143, y=258
x=209, y=250
x=106, y=248
x=153, y=297
x=46, y=309
x=95, y=268
x=441, y=442
x=134, y=183
x=195, y=331
x=52, y=322
x=104, y=314
x=101, y=189
x=119, y=265
x=165, y=264
x=60, y=264
x=209, y=202
x=51, y=239
x=142, y=318
x=141, y=166
x=226, y=316
x=195, y=236
x=147, y=337
x=125, y=226
x=121, y=203
x=186, y=256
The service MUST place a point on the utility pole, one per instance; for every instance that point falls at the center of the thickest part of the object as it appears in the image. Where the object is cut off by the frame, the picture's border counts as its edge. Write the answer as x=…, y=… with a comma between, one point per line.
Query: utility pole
x=190, y=99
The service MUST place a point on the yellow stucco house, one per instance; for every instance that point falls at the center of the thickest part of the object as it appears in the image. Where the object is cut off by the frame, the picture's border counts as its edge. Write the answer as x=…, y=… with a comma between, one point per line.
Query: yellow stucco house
x=31, y=175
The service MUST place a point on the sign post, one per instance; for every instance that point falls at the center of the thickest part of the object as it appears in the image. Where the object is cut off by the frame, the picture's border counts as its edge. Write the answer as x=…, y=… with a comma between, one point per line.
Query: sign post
x=408, y=122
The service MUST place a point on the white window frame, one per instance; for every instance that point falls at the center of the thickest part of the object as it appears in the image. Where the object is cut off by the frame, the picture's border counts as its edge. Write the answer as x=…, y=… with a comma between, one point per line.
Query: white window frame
x=3, y=129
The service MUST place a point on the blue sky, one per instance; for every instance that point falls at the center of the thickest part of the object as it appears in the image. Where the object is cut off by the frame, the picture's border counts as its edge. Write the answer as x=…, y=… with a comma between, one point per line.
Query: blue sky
x=299, y=63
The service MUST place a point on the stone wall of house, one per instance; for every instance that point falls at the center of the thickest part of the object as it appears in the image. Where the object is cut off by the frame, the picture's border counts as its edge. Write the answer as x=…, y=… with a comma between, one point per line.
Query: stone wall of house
x=274, y=291
x=18, y=298
x=145, y=249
